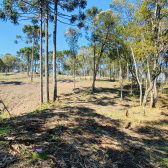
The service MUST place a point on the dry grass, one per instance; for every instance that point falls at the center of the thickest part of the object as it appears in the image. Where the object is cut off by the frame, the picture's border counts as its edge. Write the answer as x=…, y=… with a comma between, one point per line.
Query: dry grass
x=82, y=129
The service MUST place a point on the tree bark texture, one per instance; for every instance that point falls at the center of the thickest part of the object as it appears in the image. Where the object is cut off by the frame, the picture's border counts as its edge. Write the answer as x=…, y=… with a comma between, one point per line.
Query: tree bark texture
x=41, y=66
x=54, y=53
x=46, y=58
x=32, y=62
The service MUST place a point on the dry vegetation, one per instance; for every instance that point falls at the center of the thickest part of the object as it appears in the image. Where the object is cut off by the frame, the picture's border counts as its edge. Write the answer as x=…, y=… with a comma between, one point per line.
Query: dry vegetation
x=80, y=129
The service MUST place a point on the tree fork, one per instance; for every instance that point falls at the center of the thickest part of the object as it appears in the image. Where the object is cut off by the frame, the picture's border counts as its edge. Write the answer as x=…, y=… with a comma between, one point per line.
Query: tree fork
x=154, y=76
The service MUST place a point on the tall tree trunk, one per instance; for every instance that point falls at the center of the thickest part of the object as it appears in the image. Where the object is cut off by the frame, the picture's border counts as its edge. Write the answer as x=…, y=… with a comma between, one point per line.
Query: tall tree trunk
x=84, y=70
x=153, y=78
x=137, y=76
x=166, y=73
x=100, y=70
x=32, y=62
x=156, y=33
x=35, y=66
x=54, y=53
x=74, y=73
x=132, y=85
x=113, y=72
x=110, y=71
x=121, y=79
x=94, y=68
x=155, y=86
x=146, y=81
x=46, y=57
x=161, y=81
x=28, y=59
x=127, y=72
x=41, y=61
x=149, y=78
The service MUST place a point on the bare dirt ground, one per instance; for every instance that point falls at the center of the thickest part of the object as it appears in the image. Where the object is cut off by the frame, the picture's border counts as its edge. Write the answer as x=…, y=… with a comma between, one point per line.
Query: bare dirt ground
x=80, y=129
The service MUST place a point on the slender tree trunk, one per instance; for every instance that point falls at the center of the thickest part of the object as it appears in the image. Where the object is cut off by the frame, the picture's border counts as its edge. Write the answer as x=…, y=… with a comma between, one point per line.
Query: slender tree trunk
x=35, y=65
x=121, y=79
x=161, y=82
x=46, y=57
x=166, y=73
x=140, y=87
x=149, y=77
x=54, y=53
x=94, y=69
x=74, y=74
x=113, y=72
x=84, y=70
x=32, y=62
x=28, y=59
x=110, y=71
x=127, y=72
x=41, y=61
x=155, y=86
x=153, y=78
x=137, y=76
x=132, y=85
x=100, y=70
x=146, y=96
x=146, y=80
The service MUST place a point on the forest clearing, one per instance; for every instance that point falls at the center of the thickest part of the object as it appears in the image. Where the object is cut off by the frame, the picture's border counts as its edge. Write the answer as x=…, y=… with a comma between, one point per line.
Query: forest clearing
x=81, y=129
x=84, y=84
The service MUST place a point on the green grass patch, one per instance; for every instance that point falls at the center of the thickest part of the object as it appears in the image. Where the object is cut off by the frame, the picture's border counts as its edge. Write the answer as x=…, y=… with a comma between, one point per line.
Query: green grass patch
x=5, y=130
x=59, y=125
x=83, y=95
x=135, y=96
x=165, y=91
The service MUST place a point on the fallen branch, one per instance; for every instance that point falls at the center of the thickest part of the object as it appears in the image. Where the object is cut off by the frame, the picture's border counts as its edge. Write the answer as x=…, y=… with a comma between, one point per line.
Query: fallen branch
x=10, y=162
x=54, y=160
x=5, y=107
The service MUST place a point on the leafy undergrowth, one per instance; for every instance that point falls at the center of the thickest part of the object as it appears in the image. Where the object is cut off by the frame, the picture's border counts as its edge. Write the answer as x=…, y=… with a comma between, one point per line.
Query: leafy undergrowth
x=83, y=130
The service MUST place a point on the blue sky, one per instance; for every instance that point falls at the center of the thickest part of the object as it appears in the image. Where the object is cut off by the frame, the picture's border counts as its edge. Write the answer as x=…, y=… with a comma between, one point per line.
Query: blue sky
x=8, y=32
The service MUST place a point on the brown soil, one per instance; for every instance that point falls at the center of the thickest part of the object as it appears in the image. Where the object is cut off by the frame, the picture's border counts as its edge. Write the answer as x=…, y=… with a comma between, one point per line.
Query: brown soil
x=80, y=129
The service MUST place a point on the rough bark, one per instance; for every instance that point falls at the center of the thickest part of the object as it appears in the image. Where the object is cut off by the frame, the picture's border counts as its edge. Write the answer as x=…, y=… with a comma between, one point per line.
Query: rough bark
x=46, y=58
x=94, y=64
x=32, y=62
x=54, y=53
x=110, y=71
x=28, y=65
x=121, y=79
x=113, y=72
x=153, y=78
x=127, y=72
x=41, y=71
x=137, y=76
x=74, y=73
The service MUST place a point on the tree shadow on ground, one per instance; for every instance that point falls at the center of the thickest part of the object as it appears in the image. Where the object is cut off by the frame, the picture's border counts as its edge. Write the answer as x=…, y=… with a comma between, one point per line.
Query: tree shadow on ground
x=107, y=80
x=156, y=141
x=8, y=74
x=66, y=81
x=85, y=95
x=74, y=136
x=11, y=82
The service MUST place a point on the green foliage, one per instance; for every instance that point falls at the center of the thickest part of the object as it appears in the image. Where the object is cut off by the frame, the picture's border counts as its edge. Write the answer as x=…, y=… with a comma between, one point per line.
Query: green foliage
x=59, y=125
x=5, y=130
x=10, y=62
x=39, y=155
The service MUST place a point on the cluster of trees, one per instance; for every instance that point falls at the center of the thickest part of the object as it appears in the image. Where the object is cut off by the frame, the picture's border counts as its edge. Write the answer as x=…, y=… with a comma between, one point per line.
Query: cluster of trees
x=42, y=11
x=10, y=63
x=127, y=41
